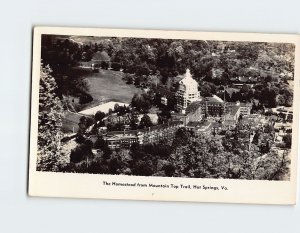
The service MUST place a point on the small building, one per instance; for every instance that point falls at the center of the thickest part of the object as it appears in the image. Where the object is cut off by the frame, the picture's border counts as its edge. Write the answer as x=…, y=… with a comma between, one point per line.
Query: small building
x=164, y=101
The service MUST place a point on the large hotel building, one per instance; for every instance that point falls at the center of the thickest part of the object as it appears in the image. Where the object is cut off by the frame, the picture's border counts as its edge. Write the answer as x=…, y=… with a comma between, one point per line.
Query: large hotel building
x=187, y=92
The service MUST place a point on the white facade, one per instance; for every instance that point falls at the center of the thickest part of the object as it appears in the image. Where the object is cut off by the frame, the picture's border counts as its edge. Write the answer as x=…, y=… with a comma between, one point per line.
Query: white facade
x=187, y=92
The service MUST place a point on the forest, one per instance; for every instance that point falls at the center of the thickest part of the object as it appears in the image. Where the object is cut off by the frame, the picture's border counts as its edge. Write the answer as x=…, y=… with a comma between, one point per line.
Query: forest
x=157, y=62
x=204, y=156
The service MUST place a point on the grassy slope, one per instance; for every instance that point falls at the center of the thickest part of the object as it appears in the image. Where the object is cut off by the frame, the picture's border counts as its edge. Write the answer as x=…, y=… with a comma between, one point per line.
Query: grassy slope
x=107, y=85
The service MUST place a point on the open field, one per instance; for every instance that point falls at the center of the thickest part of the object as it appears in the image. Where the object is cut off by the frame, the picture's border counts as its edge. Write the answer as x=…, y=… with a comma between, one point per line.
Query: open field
x=107, y=85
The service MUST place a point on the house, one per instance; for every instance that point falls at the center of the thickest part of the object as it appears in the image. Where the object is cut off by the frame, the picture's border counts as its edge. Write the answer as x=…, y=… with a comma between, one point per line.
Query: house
x=164, y=101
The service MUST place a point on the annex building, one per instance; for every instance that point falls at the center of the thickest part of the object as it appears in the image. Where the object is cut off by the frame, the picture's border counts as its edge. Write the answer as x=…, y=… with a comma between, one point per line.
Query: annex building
x=155, y=134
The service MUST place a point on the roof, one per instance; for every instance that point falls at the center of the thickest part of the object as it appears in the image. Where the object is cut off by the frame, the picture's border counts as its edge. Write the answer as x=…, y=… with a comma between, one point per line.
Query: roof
x=188, y=80
x=213, y=99
x=216, y=125
x=232, y=110
x=245, y=104
x=230, y=90
x=243, y=79
x=118, y=137
x=127, y=132
x=229, y=122
x=152, y=128
x=241, y=104
x=193, y=107
x=161, y=126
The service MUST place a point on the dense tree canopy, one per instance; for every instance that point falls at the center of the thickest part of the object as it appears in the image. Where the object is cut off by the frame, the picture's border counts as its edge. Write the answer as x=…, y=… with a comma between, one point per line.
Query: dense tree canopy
x=150, y=62
x=49, y=123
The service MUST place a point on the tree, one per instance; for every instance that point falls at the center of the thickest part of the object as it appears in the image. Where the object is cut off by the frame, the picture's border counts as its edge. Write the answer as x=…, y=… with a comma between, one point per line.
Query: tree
x=64, y=56
x=164, y=116
x=145, y=122
x=84, y=123
x=200, y=157
x=205, y=90
x=272, y=166
x=82, y=152
x=287, y=139
x=99, y=117
x=49, y=157
x=143, y=168
x=102, y=144
x=134, y=120
x=85, y=98
x=182, y=136
x=142, y=102
x=206, y=157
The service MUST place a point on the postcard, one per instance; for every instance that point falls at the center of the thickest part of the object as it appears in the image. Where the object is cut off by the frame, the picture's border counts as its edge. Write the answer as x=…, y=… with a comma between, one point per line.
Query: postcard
x=164, y=115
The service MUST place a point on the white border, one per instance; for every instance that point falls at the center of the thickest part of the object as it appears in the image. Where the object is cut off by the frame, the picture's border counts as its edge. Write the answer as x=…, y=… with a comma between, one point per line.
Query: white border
x=91, y=186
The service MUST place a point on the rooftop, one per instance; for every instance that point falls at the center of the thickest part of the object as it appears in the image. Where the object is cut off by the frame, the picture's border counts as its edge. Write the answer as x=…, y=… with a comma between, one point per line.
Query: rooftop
x=188, y=80
x=232, y=110
x=193, y=107
x=213, y=99
x=152, y=128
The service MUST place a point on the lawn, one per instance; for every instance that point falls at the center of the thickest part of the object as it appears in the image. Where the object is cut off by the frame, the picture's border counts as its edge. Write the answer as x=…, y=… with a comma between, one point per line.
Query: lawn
x=107, y=85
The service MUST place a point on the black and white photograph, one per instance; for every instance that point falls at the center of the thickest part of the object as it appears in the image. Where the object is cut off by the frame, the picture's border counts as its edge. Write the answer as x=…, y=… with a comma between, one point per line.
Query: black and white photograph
x=163, y=107
x=188, y=108
x=150, y=116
